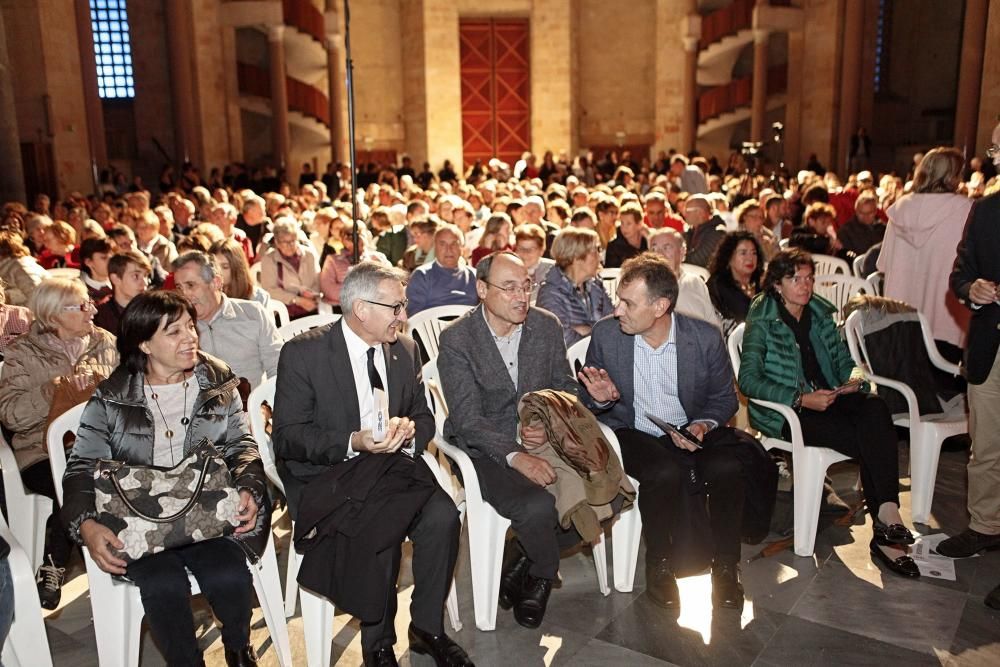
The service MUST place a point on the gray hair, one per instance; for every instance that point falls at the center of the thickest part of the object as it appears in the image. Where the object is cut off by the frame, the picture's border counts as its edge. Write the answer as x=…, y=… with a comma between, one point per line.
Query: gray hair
x=285, y=227
x=363, y=280
x=208, y=266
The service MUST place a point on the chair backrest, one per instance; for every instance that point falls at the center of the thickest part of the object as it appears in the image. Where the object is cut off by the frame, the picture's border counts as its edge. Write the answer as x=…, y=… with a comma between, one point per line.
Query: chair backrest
x=827, y=265
x=696, y=270
x=67, y=422
x=12, y=483
x=261, y=399
x=877, y=281
x=857, y=266
x=279, y=312
x=577, y=354
x=255, y=270
x=838, y=289
x=783, y=244
x=610, y=277
x=426, y=326
x=64, y=272
x=734, y=343
x=303, y=324
x=434, y=394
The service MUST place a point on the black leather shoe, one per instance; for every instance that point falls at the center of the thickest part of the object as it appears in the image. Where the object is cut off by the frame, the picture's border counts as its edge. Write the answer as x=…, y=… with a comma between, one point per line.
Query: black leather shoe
x=726, y=588
x=530, y=608
x=510, y=582
x=967, y=543
x=895, y=534
x=383, y=657
x=442, y=648
x=904, y=566
x=993, y=599
x=661, y=585
x=245, y=657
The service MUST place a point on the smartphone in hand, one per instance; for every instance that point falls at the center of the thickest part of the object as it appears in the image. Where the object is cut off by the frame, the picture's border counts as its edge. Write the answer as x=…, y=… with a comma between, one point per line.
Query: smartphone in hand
x=667, y=427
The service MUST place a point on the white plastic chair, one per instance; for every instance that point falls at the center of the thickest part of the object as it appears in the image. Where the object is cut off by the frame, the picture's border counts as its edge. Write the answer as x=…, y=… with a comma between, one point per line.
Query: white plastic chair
x=255, y=270
x=279, y=312
x=28, y=512
x=809, y=464
x=428, y=324
x=610, y=277
x=696, y=270
x=324, y=308
x=827, y=265
x=487, y=529
x=64, y=272
x=877, y=281
x=303, y=324
x=839, y=289
x=926, y=435
x=27, y=645
x=116, y=604
x=857, y=266
x=317, y=611
x=577, y=354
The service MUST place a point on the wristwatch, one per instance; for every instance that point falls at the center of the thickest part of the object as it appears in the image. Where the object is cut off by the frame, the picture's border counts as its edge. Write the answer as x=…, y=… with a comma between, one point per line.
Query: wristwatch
x=797, y=403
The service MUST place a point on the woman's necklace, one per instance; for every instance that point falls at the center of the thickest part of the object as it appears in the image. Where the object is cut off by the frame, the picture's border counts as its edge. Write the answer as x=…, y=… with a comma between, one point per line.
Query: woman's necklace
x=748, y=289
x=168, y=432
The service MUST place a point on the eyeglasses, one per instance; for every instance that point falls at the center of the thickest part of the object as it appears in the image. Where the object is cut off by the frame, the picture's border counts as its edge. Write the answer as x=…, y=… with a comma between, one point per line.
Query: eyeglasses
x=514, y=290
x=85, y=307
x=396, y=307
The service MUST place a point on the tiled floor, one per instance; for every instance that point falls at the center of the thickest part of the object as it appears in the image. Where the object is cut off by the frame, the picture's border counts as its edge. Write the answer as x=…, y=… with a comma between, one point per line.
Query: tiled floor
x=836, y=608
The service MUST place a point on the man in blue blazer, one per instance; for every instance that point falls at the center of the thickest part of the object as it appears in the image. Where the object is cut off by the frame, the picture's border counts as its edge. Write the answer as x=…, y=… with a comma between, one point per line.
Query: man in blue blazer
x=676, y=369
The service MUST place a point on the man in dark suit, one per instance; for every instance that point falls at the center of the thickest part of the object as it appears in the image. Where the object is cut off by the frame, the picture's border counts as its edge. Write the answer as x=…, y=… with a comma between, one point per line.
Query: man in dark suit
x=489, y=358
x=676, y=369
x=350, y=422
x=976, y=281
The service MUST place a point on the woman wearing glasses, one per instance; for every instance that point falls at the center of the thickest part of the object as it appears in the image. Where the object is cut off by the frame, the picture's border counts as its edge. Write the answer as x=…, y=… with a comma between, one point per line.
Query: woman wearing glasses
x=572, y=292
x=63, y=347
x=290, y=270
x=792, y=354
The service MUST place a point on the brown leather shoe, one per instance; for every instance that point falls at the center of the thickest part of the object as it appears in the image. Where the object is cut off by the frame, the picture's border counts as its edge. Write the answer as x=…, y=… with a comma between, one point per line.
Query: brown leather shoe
x=967, y=543
x=661, y=585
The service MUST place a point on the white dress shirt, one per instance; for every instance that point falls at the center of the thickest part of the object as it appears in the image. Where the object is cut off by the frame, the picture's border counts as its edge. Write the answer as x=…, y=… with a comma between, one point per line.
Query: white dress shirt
x=357, y=351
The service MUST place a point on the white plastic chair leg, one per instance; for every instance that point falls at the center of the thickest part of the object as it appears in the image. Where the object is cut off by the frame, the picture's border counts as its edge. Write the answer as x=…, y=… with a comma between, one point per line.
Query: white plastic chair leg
x=267, y=583
x=601, y=565
x=27, y=645
x=451, y=606
x=808, y=475
x=625, y=536
x=486, y=542
x=925, y=452
x=291, y=581
x=317, y=626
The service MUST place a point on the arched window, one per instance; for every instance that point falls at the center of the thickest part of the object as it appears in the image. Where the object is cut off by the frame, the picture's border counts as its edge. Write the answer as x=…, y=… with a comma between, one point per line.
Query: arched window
x=112, y=49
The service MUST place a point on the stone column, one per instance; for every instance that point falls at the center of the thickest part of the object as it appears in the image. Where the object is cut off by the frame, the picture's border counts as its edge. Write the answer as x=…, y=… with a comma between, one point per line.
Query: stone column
x=12, y=173
x=335, y=93
x=179, y=40
x=91, y=97
x=850, y=83
x=279, y=96
x=758, y=101
x=970, y=75
x=689, y=92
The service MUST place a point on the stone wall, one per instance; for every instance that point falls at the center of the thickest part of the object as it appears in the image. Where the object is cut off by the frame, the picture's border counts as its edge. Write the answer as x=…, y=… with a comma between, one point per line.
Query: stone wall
x=989, y=100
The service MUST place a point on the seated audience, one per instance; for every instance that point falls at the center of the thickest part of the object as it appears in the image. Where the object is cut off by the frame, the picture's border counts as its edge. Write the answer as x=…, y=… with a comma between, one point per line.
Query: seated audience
x=793, y=354
x=750, y=218
x=237, y=280
x=630, y=239
x=705, y=230
x=658, y=214
x=128, y=272
x=150, y=242
x=336, y=267
x=290, y=270
x=94, y=257
x=62, y=355
x=422, y=231
x=224, y=217
x=446, y=281
x=693, y=299
x=529, y=245
x=816, y=235
x=496, y=236
x=170, y=394
x=18, y=268
x=864, y=230
x=736, y=272
x=239, y=332
x=572, y=291
x=14, y=321
x=389, y=227
x=124, y=239
x=59, y=243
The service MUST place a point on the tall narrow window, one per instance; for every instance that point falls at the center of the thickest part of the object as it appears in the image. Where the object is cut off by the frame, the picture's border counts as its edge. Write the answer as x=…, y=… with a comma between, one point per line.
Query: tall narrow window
x=882, y=46
x=112, y=49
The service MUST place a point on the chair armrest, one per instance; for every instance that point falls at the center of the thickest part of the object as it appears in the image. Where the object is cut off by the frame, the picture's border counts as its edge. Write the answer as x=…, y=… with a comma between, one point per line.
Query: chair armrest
x=470, y=480
x=932, y=349
x=912, y=406
x=794, y=426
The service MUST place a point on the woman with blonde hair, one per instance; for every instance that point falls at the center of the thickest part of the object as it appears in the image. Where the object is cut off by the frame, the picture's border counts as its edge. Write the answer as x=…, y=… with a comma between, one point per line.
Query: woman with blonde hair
x=59, y=240
x=750, y=218
x=572, y=291
x=18, y=268
x=918, y=251
x=62, y=355
x=237, y=280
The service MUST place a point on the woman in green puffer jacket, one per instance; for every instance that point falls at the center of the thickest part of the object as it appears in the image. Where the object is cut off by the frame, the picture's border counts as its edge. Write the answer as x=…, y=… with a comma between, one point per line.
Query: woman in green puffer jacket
x=793, y=354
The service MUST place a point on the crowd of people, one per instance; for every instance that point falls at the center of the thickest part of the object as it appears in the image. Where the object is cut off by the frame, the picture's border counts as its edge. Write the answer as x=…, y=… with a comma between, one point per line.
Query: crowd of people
x=130, y=297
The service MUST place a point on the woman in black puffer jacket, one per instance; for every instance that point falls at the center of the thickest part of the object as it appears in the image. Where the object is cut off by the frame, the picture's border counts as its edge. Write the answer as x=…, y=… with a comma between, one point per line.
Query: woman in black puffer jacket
x=162, y=401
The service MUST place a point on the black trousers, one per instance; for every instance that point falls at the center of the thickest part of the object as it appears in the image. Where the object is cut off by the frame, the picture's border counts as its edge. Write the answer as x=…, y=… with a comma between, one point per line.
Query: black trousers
x=37, y=478
x=220, y=566
x=532, y=513
x=660, y=468
x=860, y=426
x=435, y=535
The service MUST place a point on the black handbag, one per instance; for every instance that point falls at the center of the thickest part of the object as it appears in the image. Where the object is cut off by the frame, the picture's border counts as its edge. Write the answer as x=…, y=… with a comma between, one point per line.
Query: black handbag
x=152, y=509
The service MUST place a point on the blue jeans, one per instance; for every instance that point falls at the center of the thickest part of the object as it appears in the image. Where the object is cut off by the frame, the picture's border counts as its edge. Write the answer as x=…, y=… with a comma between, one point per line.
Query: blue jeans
x=6, y=600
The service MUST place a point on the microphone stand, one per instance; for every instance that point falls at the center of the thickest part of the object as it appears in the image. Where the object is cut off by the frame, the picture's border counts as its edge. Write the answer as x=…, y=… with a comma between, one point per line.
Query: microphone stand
x=352, y=155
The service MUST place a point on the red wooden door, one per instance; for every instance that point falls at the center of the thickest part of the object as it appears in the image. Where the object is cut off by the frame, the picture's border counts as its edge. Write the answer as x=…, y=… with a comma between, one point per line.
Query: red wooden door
x=496, y=86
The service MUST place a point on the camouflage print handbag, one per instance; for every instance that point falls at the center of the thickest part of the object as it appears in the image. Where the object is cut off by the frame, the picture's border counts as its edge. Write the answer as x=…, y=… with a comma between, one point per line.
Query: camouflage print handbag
x=152, y=509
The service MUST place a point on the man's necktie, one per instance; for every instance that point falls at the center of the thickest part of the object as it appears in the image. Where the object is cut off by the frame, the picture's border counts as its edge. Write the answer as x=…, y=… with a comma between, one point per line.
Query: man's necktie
x=373, y=375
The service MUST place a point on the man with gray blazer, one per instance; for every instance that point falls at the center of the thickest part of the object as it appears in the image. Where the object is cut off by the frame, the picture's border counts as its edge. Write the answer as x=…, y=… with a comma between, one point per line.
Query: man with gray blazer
x=489, y=358
x=676, y=369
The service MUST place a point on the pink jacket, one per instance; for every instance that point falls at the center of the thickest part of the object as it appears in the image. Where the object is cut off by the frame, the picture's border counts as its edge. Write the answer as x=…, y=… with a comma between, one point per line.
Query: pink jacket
x=917, y=256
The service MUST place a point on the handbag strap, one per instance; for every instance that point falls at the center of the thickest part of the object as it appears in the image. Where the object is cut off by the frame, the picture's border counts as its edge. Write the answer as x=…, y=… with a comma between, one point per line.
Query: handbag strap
x=168, y=519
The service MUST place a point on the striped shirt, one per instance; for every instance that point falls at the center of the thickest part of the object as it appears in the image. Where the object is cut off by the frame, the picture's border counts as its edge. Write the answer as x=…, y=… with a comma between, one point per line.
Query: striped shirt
x=655, y=384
